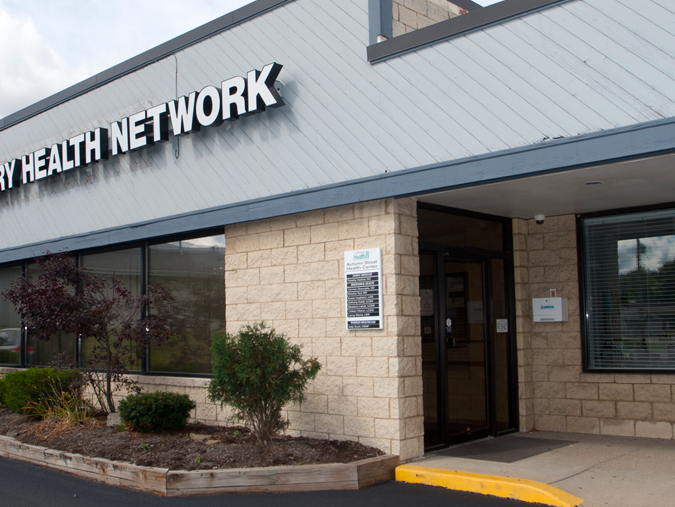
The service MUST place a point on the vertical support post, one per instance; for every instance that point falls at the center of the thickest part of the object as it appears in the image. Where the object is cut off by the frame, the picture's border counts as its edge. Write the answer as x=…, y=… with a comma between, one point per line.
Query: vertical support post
x=145, y=277
x=24, y=336
x=379, y=20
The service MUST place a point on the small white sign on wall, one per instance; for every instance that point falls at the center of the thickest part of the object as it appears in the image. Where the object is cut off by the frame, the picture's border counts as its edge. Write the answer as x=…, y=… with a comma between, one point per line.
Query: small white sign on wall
x=549, y=309
x=363, y=288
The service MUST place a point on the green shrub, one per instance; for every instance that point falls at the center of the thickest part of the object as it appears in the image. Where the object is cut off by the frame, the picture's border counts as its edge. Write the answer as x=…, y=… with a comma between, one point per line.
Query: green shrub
x=156, y=411
x=38, y=386
x=257, y=372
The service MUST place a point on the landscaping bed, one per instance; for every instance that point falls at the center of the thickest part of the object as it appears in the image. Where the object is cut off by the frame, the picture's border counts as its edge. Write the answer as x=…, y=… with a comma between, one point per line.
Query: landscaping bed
x=197, y=447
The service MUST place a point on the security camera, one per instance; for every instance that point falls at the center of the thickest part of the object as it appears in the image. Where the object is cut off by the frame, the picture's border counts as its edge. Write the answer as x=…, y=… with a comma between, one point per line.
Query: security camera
x=539, y=219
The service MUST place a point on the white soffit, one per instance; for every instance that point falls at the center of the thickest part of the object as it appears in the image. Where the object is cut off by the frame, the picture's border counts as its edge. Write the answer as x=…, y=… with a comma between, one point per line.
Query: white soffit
x=624, y=184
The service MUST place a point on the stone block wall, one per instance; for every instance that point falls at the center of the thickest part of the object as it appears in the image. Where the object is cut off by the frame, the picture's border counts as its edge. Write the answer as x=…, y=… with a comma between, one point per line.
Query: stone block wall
x=205, y=411
x=410, y=15
x=555, y=394
x=289, y=272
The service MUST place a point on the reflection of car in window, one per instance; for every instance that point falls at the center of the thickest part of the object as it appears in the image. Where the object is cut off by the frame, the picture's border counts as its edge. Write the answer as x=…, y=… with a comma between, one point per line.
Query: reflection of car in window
x=10, y=339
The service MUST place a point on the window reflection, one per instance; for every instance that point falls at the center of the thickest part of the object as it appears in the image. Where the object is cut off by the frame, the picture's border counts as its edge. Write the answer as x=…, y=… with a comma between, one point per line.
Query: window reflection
x=125, y=266
x=630, y=291
x=60, y=348
x=194, y=273
x=10, y=321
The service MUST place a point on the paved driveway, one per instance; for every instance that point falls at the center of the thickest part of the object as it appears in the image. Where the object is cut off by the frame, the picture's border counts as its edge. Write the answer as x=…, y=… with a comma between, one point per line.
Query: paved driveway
x=23, y=485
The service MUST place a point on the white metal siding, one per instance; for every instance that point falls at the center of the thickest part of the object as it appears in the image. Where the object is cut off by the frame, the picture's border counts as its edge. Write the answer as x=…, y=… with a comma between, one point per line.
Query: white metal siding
x=580, y=67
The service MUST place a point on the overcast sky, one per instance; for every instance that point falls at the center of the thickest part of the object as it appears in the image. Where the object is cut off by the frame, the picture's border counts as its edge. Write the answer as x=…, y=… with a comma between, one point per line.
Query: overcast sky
x=48, y=45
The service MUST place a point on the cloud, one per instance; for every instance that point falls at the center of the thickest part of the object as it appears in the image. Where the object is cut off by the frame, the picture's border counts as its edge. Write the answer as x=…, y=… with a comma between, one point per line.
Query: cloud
x=48, y=45
x=657, y=251
x=31, y=68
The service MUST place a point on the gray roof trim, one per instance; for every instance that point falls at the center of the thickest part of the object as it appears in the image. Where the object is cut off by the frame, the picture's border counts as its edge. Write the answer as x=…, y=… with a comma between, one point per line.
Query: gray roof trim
x=153, y=55
x=454, y=27
x=624, y=143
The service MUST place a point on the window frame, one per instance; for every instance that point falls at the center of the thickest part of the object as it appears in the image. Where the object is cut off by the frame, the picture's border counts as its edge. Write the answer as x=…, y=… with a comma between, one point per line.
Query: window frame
x=581, y=266
x=144, y=247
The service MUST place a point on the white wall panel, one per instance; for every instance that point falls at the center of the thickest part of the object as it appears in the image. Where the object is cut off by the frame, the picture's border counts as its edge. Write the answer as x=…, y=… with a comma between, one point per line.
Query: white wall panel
x=580, y=67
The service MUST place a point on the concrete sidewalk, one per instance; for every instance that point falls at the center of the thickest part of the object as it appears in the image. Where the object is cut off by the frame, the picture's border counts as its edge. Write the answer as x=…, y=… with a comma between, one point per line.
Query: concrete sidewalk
x=603, y=470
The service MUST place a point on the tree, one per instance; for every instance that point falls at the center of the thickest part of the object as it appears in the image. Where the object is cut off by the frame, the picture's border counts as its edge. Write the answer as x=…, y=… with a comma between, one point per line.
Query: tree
x=257, y=372
x=66, y=297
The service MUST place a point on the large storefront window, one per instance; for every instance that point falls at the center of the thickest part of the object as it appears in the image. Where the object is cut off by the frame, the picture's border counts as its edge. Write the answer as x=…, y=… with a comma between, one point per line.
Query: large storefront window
x=191, y=270
x=629, y=279
x=194, y=273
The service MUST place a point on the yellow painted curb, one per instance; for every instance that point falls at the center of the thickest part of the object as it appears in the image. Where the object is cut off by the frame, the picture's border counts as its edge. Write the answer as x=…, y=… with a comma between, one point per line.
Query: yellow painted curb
x=506, y=487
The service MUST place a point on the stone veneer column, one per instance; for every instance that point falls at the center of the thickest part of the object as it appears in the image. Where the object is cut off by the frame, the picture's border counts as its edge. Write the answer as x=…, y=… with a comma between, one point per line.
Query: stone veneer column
x=555, y=394
x=289, y=272
x=523, y=325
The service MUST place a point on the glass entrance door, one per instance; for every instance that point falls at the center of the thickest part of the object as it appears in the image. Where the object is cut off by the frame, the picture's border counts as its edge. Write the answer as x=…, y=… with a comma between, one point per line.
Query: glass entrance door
x=465, y=346
x=466, y=354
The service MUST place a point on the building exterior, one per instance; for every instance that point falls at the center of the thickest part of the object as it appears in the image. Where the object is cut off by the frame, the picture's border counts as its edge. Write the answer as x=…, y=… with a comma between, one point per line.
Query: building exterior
x=402, y=188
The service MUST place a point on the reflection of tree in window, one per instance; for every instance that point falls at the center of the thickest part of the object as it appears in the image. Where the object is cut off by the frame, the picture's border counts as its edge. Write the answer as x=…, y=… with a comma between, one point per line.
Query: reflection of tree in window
x=194, y=272
x=124, y=266
x=647, y=295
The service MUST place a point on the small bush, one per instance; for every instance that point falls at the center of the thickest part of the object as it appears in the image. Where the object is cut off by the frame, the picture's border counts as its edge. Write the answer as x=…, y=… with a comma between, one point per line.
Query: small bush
x=156, y=411
x=38, y=387
x=257, y=372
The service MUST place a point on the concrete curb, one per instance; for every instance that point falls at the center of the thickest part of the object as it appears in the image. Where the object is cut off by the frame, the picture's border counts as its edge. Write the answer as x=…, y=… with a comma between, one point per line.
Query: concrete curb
x=506, y=487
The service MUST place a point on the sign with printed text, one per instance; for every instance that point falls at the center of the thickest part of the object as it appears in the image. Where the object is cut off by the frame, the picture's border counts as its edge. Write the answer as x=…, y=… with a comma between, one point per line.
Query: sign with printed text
x=363, y=287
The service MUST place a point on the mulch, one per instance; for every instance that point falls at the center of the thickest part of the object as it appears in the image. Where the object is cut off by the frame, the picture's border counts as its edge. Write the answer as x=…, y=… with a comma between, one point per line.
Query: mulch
x=197, y=447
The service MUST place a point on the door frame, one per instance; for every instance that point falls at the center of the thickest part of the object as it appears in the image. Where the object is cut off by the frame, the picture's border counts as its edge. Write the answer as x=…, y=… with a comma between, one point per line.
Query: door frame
x=450, y=252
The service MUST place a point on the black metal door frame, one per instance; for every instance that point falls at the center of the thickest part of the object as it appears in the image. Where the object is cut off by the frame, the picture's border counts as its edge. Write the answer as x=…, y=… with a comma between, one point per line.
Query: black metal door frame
x=441, y=254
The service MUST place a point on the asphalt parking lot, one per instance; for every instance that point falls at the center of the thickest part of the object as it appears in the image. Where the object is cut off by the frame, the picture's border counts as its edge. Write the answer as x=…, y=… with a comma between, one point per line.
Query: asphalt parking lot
x=24, y=485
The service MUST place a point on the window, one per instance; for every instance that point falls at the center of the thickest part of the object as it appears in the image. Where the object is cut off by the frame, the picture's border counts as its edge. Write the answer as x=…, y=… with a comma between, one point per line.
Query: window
x=193, y=271
x=629, y=282
x=10, y=321
x=59, y=349
x=457, y=230
x=125, y=266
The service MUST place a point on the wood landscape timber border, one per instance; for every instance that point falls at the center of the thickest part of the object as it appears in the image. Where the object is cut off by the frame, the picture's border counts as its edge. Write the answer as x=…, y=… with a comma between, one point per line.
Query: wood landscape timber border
x=164, y=482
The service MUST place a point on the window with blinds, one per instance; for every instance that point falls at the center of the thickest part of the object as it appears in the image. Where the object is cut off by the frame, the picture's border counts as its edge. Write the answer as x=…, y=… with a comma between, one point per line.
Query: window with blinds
x=629, y=291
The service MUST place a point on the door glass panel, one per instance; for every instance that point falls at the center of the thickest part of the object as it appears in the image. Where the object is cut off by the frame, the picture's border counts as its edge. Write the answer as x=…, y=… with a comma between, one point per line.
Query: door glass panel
x=501, y=341
x=465, y=338
x=432, y=427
